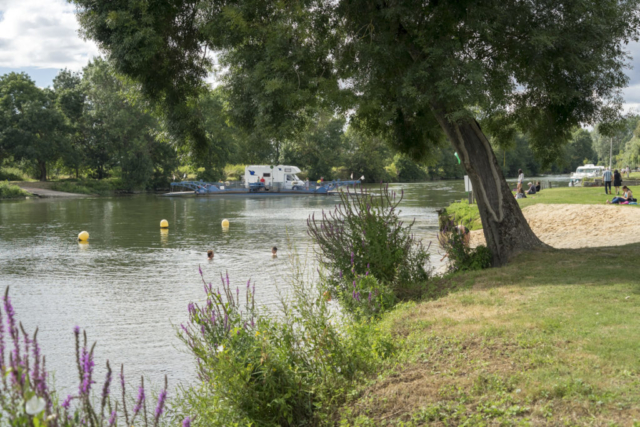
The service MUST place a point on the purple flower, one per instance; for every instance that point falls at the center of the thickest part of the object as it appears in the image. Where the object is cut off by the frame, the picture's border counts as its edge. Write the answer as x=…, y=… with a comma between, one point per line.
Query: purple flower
x=162, y=397
x=67, y=402
x=186, y=422
x=112, y=419
x=86, y=361
x=369, y=296
x=352, y=257
x=200, y=270
x=191, y=308
x=227, y=278
x=341, y=274
x=139, y=401
x=354, y=284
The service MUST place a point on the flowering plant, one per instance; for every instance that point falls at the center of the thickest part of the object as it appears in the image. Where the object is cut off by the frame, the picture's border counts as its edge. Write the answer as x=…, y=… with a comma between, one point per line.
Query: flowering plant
x=27, y=400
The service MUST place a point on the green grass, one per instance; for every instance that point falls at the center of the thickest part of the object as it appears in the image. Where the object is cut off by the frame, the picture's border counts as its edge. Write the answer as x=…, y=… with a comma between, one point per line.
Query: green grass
x=550, y=339
x=10, y=191
x=466, y=214
x=570, y=195
x=99, y=187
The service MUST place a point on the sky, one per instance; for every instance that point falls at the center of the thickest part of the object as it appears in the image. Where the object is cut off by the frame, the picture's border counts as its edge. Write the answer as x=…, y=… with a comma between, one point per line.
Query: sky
x=40, y=37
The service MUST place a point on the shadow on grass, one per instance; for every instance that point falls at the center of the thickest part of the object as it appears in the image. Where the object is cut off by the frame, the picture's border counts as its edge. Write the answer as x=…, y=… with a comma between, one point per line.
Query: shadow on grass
x=599, y=266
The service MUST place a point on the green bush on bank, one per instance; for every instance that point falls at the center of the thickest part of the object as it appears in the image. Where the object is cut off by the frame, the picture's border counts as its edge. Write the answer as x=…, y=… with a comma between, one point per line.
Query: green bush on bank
x=464, y=213
x=363, y=235
x=292, y=369
x=10, y=191
x=100, y=187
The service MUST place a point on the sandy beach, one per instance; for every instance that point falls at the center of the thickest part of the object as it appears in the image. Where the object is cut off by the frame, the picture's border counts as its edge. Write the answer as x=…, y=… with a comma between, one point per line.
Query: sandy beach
x=580, y=226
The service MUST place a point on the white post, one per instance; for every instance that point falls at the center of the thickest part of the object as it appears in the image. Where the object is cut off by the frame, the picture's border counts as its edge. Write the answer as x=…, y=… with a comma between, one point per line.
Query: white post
x=610, y=151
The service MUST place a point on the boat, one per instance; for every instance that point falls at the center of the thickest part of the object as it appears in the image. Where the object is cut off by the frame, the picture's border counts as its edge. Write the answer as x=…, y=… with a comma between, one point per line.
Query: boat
x=586, y=171
x=267, y=180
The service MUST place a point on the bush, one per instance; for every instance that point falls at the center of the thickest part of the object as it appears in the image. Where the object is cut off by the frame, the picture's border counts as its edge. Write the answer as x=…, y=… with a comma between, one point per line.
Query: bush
x=12, y=174
x=287, y=370
x=465, y=213
x=9, y=191
x=363, y=234
x=87, y=186
x=461, y=256
x=26, y=398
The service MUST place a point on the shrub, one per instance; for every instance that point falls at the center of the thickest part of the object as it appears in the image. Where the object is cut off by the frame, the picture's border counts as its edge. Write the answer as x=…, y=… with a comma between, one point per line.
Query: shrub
x=8, y=173
x=364, y=234
x=9, y=191
x=284, y=370
x=26, y=398
x=461, y=256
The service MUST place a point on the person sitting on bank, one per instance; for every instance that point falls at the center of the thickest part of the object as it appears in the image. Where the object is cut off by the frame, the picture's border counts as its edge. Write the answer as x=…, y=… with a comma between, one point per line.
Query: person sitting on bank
x=627, y=196
x=532, y=188
x=538, y=187
x=274, y=252
x=209, y=254
x=520, y=194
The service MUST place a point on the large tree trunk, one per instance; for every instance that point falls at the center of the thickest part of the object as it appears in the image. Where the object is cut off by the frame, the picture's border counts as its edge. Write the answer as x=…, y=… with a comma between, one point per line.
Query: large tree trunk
x=505, y=228
x=42, y=167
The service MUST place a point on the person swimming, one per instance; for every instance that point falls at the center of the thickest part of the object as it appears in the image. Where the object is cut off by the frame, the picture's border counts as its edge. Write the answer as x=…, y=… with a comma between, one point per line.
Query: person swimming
x=209, y=254
x=274, y=252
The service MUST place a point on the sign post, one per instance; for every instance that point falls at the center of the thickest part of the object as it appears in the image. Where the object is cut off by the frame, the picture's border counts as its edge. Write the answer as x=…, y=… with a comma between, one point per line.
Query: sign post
x=469, y=189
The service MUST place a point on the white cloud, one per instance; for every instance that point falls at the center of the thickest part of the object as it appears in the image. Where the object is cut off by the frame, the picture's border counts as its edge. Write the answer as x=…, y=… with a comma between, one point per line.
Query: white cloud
x=42, y=34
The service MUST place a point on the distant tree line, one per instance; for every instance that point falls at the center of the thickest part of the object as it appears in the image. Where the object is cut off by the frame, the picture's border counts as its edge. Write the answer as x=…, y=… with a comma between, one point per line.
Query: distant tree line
x=97, y=124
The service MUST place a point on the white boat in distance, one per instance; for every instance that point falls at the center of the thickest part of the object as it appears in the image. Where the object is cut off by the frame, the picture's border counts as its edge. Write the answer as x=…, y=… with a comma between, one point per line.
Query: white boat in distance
x=588, y=171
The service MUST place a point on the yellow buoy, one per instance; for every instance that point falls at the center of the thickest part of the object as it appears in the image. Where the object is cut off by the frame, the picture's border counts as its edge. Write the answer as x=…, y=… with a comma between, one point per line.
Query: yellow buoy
x=164, y=224
x=225, y=223
x=83, y=236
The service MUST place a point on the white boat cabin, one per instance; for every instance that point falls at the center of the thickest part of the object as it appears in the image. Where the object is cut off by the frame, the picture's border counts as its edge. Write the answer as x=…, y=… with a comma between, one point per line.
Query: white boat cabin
x=588, y=171
x=274, y=176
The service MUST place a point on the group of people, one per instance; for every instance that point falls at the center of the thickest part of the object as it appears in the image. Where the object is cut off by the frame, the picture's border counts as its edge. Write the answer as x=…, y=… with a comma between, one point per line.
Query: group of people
x=616, y=177
x=520, y=191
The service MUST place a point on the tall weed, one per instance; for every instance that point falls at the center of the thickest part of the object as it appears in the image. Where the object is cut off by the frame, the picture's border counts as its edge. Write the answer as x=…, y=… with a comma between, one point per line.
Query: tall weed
x=364, y=235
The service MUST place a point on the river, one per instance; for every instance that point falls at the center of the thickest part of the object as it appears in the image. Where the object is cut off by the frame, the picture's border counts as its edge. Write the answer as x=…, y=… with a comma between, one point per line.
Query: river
x=130, y=285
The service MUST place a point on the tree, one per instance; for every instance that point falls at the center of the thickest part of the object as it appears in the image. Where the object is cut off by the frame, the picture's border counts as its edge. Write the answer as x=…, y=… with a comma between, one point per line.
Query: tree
x=412, y=71
x=122, y=130
x=365, y=156
x=318, y=148
x=31, y=127
x=579, y=150
x=70, y=101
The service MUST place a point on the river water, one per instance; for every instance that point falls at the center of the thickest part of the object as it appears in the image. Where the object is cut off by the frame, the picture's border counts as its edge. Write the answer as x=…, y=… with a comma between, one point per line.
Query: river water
x=130, y=285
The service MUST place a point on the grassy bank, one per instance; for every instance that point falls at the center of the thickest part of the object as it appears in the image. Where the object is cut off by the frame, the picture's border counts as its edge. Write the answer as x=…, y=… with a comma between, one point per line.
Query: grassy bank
x=470, y=216
x=87, y=186
x=10, y=191
x=550, y=339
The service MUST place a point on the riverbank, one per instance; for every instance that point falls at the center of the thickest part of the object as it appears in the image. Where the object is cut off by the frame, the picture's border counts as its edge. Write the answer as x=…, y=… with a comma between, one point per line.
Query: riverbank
x=11, y=191
x=43, y=189
x=469, y=215
x=547, y=340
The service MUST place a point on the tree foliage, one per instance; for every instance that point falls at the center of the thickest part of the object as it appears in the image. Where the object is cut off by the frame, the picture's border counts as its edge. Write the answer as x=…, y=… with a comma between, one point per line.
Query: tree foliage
x=31, y=127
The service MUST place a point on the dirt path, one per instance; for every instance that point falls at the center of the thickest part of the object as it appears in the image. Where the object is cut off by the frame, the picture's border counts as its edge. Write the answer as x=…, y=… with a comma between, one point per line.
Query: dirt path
x=35, y=189
x=580, y=226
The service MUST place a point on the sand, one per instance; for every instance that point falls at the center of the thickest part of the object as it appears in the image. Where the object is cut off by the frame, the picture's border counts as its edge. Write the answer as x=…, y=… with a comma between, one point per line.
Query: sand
x=580, y=226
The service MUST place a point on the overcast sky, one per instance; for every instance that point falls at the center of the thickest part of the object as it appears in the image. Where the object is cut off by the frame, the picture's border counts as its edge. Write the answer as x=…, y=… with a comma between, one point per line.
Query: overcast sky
x=40, y=37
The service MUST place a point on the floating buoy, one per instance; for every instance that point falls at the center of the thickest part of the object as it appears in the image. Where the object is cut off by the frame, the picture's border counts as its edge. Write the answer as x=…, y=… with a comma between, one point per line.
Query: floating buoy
x=164, y=224
x=83, y=236
x=225, y=223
